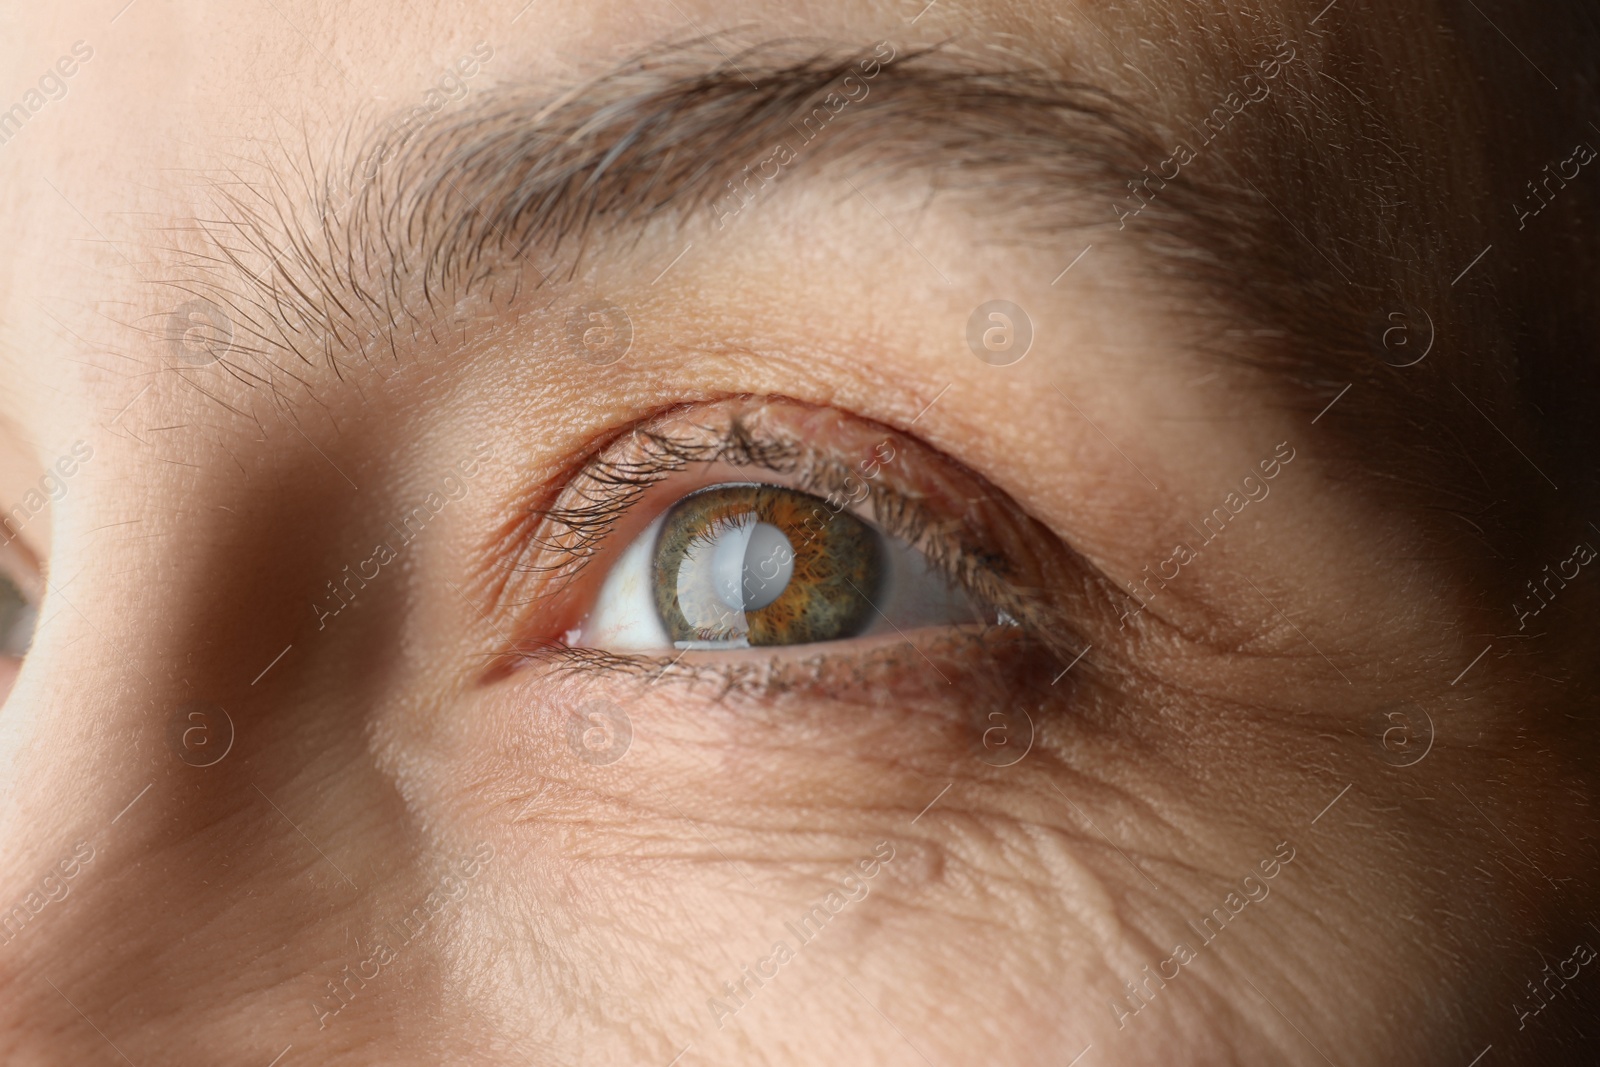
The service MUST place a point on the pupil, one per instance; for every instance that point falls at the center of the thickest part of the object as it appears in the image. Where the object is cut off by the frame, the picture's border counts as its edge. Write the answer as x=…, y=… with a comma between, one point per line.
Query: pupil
x=751, y=566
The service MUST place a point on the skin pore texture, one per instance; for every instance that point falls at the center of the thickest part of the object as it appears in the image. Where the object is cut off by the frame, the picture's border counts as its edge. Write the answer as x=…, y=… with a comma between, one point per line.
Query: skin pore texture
x=1296, y=636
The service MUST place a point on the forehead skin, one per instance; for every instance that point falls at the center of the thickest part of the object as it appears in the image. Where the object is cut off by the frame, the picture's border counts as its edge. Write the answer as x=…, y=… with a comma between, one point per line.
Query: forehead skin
x=1421, y=902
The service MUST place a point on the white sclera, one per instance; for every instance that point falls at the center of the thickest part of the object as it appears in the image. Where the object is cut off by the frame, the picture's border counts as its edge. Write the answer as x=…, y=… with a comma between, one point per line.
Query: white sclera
x=751, y=566
x=624, y=615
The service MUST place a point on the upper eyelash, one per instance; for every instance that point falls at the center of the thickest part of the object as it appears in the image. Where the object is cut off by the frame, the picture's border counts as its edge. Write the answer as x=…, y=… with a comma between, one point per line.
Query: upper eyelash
x=607, y=489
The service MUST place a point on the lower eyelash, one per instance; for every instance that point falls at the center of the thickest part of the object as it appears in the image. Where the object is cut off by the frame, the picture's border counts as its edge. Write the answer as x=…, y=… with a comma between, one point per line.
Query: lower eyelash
x=943, y=660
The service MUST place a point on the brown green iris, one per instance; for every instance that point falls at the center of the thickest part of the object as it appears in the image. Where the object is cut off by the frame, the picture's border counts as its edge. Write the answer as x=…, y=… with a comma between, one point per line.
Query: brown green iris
x=764, y=565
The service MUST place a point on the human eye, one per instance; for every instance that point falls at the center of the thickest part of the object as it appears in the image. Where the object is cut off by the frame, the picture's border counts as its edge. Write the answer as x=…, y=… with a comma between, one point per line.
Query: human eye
x=765, y=528
x=18, y=616
x=20, y=588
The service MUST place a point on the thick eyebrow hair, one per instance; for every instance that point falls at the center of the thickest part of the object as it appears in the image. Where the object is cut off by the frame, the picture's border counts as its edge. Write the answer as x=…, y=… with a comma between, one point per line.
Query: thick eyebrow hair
x=413, y=221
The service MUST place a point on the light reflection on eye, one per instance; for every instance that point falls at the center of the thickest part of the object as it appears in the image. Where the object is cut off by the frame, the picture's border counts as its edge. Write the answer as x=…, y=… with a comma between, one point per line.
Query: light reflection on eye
x=742, y=564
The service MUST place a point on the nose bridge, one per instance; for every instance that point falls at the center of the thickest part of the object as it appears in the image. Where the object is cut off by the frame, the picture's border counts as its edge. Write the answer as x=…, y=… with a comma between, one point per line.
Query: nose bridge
x=165, y=601
x=214, y=601
x=219, y=741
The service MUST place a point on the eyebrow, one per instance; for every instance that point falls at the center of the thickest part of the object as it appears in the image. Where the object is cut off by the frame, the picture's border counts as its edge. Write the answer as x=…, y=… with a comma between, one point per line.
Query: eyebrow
x=323, y=259
x=335, y=255
x=419, y=227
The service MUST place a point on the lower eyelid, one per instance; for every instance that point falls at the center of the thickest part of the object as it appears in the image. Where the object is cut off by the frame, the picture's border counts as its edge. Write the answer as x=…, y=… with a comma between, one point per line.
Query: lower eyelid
x=940, y=665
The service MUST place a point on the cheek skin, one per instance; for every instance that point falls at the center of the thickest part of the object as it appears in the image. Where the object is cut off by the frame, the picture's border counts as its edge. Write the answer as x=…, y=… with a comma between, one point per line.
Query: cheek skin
x=1047, y=875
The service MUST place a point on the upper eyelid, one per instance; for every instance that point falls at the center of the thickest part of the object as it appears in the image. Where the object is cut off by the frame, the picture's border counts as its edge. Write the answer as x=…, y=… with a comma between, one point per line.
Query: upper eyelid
x=603, y=489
